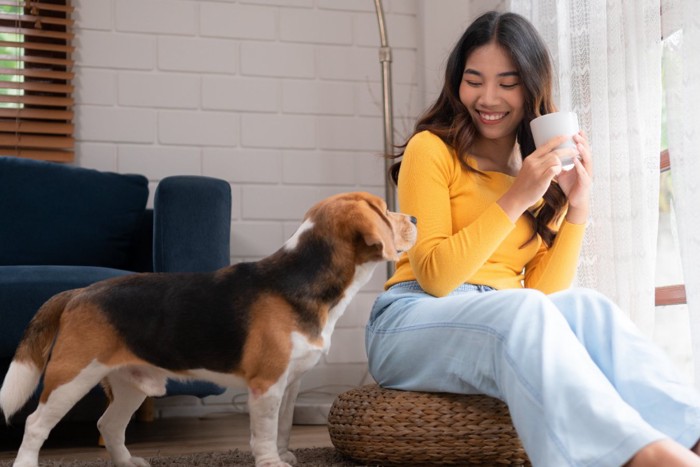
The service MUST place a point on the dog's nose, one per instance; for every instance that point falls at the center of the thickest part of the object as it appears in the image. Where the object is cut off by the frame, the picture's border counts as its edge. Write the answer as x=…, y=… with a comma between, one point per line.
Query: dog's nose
x=414, y=221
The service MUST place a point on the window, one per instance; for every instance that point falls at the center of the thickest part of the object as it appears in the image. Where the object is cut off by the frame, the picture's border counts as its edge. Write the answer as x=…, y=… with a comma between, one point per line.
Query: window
x=36, y=94
x=669, y=278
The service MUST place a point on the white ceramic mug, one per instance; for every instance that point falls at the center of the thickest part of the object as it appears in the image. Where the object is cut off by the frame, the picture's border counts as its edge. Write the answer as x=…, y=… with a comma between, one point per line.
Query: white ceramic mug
x=554, y=124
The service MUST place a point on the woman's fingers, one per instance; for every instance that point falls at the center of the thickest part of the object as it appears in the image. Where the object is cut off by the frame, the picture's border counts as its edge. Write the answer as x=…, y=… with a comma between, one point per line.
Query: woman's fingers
x=584, y=150
x=581, y=172
x=550, y=145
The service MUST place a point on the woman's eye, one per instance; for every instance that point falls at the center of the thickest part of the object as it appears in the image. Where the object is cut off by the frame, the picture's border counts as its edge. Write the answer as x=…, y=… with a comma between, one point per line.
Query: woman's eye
x=509, y=86
x=472, y=83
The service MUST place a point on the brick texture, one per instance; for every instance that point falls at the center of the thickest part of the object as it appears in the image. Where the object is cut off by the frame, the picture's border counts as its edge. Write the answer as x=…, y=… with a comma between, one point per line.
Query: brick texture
x=282, y=98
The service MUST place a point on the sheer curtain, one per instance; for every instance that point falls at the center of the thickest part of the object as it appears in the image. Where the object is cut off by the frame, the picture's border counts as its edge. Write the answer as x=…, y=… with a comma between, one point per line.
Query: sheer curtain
x=607, y=57
x=682, y=80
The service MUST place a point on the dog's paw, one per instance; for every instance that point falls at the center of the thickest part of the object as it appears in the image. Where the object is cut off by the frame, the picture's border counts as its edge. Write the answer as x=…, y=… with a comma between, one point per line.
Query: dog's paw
x=289, y=458
x=134, y=462
x=273, y=463
x=140, y=462
x=284, y=459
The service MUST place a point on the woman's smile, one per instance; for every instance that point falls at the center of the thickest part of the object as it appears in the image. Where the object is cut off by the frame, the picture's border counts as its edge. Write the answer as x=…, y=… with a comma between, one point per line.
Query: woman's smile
x=491, y=118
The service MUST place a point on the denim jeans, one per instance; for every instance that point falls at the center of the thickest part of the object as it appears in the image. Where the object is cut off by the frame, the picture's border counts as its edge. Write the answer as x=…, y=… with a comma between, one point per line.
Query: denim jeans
x=583, y=385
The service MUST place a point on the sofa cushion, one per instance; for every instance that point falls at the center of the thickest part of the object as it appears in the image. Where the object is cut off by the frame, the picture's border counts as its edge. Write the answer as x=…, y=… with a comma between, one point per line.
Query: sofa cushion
x=54, y=214
x=23, y=289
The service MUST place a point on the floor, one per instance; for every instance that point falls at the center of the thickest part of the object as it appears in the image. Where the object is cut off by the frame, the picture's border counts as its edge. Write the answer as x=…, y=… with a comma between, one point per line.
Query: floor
x=78, y=440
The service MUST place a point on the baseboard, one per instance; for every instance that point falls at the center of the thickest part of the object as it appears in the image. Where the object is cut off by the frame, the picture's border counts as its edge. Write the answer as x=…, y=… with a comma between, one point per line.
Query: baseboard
x=312, y=410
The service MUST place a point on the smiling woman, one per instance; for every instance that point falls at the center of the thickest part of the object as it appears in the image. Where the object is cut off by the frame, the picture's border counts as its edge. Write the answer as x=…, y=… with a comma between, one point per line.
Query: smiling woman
x=35, y=79
x=483, y=302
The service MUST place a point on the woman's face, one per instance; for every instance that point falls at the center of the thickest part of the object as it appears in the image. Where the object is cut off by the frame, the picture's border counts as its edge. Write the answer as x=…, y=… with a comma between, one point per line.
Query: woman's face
x=492, y=93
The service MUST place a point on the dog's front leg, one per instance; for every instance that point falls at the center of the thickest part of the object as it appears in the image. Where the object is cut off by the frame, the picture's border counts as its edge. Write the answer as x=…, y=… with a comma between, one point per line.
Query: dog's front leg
x=264, y=408
x=284, y=428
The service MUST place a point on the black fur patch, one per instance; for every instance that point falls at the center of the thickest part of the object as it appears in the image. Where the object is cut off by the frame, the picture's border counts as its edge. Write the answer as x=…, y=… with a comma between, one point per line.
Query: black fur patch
x=200, y=320
x=179, y=321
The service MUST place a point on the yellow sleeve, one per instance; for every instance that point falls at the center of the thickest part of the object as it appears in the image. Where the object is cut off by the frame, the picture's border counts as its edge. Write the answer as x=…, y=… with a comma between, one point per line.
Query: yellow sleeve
x=553, y=269
x=442, y=259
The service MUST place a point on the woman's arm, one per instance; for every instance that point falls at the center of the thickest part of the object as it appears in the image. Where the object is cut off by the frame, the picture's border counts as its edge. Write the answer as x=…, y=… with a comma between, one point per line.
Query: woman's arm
x=553, y=269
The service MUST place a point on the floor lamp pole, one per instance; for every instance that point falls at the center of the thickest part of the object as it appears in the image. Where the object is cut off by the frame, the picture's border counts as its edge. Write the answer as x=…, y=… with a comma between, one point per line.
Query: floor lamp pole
x=387, y=108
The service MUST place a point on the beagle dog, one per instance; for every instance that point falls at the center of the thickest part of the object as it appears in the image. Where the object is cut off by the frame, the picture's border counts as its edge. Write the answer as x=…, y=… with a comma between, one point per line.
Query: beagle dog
x=259, y=324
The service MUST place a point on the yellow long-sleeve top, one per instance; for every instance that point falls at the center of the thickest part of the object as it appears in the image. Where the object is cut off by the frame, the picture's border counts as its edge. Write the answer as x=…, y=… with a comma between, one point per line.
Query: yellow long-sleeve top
x=463, y=234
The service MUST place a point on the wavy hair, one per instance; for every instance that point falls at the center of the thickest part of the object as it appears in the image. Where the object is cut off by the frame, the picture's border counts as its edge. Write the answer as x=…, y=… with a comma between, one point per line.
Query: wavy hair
x=449, y=119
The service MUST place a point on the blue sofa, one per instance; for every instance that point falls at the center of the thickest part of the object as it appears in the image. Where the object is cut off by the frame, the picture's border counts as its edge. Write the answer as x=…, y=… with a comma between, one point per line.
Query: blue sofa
x=64, y=227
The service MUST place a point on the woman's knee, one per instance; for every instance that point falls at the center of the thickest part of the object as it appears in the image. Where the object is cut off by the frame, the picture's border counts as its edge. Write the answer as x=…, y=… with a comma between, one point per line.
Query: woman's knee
x=580, y=293
x=582, y=307
x=583, y=299
x=533, y=310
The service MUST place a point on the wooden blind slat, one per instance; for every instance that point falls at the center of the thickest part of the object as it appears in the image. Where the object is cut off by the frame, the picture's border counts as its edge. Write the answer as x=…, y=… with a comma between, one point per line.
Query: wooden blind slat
x=39, y=114
x=37, y=73
x=36, y=127
x=63, y=62
x=46, y=155
x=38, y=86
x=45, y=33
x=27, y=20
x=33, y=141
x=43, y=46
x=38, y=100
x=59, y=7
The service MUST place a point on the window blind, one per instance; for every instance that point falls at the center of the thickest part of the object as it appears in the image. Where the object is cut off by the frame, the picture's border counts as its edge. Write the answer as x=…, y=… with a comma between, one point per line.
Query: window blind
x=36, y=91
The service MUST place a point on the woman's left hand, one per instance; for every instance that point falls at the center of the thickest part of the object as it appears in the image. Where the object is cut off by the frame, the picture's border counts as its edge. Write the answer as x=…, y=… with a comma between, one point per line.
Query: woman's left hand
x=576, y=183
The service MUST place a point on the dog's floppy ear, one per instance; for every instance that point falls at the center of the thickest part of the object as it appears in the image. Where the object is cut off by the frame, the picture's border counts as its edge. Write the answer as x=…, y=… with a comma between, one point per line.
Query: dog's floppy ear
x=383, y=240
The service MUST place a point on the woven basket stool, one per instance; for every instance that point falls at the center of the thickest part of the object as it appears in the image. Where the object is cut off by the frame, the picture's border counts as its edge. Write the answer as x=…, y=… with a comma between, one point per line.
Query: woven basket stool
x=384, y=426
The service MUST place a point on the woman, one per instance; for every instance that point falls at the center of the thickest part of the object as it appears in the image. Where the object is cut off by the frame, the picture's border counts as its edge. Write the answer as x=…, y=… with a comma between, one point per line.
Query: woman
x=481, y=303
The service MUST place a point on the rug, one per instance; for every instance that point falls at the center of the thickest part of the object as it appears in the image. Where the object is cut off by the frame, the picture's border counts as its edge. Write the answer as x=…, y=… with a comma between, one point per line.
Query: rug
x=306, y=457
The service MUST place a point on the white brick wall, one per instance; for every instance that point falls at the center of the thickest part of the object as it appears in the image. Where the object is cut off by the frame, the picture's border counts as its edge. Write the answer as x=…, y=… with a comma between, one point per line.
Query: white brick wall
x=282, y=98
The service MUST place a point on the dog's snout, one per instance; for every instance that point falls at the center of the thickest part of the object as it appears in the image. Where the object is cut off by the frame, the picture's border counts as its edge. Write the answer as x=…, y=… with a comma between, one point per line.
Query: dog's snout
x=414, y=221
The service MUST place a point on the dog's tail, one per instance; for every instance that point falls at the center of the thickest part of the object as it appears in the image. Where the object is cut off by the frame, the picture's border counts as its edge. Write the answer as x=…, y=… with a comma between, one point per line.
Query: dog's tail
x=32, y=354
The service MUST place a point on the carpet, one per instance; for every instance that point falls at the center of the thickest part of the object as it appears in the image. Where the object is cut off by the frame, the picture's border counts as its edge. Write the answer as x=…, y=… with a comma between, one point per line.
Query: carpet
x=306, y=457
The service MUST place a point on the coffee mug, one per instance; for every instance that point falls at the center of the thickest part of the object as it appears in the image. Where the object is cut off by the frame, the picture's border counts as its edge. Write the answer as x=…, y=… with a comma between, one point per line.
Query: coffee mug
x=554, y=124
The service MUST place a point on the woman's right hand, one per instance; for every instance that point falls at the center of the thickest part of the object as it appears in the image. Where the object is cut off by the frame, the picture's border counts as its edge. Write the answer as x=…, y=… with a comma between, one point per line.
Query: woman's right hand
x=535, y=176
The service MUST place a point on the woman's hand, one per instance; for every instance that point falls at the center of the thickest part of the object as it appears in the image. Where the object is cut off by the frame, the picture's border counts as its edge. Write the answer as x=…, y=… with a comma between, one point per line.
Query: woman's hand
x=576, y=183
x=534, y=178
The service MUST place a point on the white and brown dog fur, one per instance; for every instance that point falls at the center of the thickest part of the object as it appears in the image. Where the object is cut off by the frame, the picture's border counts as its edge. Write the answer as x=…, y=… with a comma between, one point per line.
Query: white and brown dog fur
x=260, y=324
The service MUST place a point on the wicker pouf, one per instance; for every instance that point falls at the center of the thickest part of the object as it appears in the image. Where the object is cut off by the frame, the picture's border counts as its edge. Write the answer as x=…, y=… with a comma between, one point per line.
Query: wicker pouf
x=383, y=426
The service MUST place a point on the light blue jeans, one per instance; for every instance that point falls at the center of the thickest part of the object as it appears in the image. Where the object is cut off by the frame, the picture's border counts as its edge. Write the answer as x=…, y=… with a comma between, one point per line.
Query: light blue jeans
x=583, y=385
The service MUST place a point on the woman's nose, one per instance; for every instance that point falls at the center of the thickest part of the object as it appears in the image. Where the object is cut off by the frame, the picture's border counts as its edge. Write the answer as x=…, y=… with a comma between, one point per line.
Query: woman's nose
x=489, y=94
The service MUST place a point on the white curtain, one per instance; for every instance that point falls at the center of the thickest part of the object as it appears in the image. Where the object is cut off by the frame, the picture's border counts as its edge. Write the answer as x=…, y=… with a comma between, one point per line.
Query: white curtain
x=607, y=59
x=681, y=28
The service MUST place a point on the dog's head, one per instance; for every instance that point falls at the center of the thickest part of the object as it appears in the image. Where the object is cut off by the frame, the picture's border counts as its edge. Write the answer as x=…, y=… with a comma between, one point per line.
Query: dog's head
x=364, y=220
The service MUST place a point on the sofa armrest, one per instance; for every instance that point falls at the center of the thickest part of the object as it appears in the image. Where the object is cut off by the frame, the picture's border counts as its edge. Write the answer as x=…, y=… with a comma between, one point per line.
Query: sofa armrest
x=191, y=224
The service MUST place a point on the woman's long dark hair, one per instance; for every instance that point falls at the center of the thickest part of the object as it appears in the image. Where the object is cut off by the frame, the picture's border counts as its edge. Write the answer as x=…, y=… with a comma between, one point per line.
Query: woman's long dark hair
x=449, y=119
